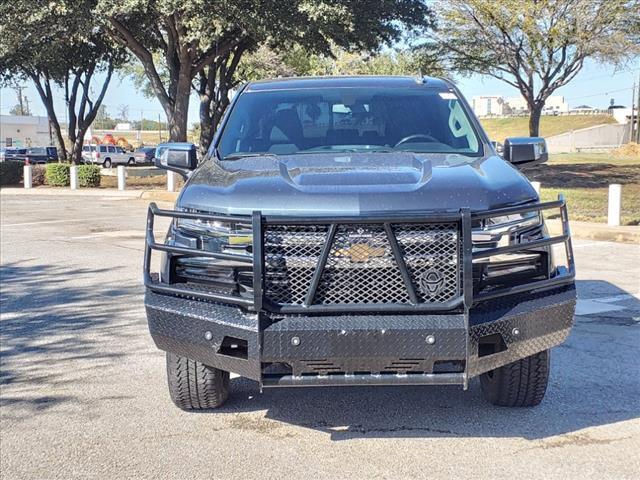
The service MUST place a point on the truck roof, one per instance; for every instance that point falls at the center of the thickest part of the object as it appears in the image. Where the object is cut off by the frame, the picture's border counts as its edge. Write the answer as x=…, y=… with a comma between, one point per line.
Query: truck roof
x=361, y=81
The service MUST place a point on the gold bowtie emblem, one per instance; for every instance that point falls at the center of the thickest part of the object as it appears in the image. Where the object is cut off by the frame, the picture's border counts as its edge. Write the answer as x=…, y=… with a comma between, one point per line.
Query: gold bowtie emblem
x=361, y=252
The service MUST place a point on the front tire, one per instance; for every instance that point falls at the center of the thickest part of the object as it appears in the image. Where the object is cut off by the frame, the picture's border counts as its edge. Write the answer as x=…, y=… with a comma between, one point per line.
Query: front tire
x=195, y=386
x=107, y=163
x=131, y=162
x=520, y=384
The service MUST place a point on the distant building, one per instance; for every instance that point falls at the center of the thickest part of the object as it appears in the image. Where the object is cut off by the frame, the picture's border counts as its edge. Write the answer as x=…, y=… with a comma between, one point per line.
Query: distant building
x=583, y=109
x=123, y=127
x=489, y=105
x=554, y=105
x=24, y=131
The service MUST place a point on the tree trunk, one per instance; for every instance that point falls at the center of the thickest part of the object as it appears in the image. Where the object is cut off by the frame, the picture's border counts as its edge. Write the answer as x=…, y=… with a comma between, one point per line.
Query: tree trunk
x=44, y=91
x=534, y=119
x=76, y=149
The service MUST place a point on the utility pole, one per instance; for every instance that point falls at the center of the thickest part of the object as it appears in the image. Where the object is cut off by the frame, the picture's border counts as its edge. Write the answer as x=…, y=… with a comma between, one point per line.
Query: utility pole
x=159, y=130
x=18, y=89
x=631, y=120
x=637, y=112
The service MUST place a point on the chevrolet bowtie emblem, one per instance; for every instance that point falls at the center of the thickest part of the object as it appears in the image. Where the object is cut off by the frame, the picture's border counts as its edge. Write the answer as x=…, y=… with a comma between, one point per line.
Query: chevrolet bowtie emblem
x=361, y=252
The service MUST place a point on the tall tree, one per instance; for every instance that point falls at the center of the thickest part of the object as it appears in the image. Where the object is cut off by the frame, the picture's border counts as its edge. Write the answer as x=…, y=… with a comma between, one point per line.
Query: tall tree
x=201, y=41
x=51, y=43
x=536, y=46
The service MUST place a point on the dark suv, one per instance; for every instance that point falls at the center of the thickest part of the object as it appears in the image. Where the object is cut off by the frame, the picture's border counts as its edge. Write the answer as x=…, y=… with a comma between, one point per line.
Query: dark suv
x=357, y=231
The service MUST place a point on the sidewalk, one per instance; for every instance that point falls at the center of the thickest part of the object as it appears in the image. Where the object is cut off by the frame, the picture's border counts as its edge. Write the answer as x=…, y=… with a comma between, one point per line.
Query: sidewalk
x=579, y=230
x=152, y=195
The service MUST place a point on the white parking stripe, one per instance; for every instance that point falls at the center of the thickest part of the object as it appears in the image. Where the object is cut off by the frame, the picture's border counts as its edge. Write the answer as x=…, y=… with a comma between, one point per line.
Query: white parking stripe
x=47, y=221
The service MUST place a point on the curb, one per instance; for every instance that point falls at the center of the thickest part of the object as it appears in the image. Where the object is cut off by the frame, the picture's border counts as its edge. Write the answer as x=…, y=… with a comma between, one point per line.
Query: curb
x=597, y=231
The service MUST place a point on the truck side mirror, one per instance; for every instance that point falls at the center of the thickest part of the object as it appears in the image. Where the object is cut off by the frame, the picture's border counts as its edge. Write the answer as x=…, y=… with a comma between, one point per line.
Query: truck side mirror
x=177, y=157
x=525, y=150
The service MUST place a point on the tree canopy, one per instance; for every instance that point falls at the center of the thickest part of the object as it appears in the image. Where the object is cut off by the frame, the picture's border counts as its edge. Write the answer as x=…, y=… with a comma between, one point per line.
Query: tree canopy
x=202, y=42
x=53, y=42
x=536, y=46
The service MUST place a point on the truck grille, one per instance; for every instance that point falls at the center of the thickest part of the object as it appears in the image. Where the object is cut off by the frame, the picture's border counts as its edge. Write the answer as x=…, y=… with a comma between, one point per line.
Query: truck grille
x=361, y=267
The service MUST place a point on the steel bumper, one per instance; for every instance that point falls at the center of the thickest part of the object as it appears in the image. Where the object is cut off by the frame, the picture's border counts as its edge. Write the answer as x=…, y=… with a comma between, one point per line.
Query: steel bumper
x=362, y=349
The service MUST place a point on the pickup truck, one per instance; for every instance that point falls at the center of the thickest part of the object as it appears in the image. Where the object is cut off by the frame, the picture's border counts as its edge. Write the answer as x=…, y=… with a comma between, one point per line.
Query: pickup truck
x=31, y=155
x=357, y=231
x=108, y=155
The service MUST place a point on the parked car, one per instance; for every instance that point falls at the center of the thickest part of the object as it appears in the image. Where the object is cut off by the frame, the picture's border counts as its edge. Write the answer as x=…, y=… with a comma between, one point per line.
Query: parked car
x=12, y=153
x=386, y=245
x=149, y=153
x=109, y=155
x=41, y=155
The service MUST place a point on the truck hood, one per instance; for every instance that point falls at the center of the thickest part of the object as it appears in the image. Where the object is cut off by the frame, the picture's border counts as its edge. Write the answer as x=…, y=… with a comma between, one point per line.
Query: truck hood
x=354, y=184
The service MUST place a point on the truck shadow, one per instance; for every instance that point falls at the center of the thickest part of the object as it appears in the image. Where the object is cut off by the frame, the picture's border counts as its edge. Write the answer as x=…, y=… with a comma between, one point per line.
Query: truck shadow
x=594, y=382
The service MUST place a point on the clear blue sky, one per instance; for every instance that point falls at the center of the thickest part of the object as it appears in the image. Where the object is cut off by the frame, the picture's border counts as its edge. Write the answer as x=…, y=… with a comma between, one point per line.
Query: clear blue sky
x=595, y=85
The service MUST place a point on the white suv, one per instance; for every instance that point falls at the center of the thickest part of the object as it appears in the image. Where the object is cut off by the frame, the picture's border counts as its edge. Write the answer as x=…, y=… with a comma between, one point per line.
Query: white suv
x=107, y=155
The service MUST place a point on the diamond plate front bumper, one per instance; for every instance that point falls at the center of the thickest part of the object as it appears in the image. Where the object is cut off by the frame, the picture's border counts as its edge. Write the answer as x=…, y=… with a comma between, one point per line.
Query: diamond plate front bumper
x=362, y=349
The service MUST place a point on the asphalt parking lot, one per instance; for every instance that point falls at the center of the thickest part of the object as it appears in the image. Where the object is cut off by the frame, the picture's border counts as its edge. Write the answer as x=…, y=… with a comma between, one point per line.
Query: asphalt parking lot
x=83, y=390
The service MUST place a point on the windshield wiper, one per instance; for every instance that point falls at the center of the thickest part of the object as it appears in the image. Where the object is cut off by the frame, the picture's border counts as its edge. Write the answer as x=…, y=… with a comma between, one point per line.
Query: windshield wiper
x=236, y=156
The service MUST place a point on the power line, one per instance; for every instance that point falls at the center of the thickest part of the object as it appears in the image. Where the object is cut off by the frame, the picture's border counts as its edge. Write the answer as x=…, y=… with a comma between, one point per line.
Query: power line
x=601, y=93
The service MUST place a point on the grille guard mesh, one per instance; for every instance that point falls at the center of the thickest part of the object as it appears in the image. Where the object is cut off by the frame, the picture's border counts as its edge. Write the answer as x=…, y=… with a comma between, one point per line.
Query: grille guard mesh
x=392, y=241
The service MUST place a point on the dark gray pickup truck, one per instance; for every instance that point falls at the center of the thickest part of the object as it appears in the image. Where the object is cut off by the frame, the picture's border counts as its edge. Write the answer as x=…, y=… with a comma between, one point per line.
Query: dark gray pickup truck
x=357, y=231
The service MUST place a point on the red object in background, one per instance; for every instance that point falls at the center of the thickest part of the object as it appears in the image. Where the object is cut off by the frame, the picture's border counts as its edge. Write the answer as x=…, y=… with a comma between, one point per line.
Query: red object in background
x=108, y=139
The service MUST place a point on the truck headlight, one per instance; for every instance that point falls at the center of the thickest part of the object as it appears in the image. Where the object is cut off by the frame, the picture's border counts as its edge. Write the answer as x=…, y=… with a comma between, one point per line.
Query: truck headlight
x=493, y=228
x=214, y=236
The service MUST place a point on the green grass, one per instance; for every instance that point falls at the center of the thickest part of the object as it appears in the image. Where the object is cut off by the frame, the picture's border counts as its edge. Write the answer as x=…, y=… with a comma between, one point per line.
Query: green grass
x=590, y=204
x=500, y=128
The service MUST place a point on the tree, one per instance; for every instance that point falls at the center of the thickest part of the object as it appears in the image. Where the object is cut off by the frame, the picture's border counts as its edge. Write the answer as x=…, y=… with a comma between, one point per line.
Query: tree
x=536, y=46
x=51, y=43
x=179, y=43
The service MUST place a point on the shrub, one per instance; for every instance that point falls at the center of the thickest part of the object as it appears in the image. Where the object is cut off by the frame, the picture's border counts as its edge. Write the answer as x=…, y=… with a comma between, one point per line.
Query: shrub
x=57, y=174
x=38, y=175
x=89, y=175
x=10, y=172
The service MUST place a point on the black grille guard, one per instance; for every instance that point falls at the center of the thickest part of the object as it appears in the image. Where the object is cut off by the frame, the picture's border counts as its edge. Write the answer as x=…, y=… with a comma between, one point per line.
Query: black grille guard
x=563, y=275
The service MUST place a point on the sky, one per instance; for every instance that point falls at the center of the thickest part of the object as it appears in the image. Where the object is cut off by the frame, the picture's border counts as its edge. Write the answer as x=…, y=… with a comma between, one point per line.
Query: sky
x=595, y=85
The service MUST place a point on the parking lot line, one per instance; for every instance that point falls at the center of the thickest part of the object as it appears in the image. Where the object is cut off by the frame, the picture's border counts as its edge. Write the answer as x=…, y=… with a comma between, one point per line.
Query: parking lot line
x=47, y=221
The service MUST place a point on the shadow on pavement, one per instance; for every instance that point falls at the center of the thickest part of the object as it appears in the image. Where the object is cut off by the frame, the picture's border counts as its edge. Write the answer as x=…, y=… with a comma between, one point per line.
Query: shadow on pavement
x=594, y=382
x=54, y=318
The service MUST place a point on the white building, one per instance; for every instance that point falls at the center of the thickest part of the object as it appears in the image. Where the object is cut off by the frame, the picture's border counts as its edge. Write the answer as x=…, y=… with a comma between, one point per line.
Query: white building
x=24, y=131
x=489, y=105
x=554, y=105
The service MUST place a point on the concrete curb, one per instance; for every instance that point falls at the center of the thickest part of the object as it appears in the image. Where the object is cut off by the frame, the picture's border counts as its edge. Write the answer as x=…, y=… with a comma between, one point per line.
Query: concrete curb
x=597, y=231
x=65, y=191
x=579, y=230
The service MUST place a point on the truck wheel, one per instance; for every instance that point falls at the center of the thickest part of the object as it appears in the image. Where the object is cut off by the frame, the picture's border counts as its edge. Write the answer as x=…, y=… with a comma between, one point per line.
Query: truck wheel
x=107, y=163
x=131, y=162
x=195, y=386
x=520, y=384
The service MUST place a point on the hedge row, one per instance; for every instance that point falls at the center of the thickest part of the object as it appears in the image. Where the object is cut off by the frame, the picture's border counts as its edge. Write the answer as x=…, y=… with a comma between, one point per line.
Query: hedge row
x=10, y=172
x=54, y=174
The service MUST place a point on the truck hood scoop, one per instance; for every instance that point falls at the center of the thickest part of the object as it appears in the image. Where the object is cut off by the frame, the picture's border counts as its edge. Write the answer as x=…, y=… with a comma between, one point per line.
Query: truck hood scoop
x=345, y=173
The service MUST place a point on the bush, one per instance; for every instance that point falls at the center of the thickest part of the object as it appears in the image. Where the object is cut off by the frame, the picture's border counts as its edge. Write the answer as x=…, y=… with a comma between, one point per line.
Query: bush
x=57, y=174
x=89, y=175
x=38, y=175
x=10, y=172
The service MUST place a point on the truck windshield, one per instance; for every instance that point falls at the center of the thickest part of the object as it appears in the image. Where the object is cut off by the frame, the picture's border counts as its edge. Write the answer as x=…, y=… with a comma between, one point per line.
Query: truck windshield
x=300, y=121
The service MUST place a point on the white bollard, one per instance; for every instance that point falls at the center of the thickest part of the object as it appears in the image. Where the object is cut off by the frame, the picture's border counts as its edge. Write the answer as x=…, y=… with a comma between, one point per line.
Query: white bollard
x=615, y=204
x=536, y=187
x=28, y=176
x=171, y=181
x=73, y=177
x=121, y=178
